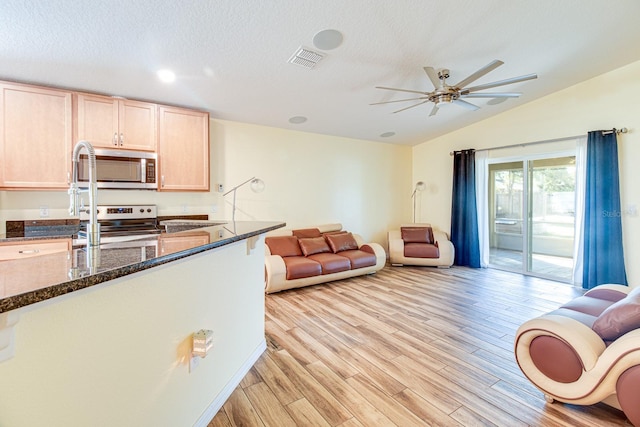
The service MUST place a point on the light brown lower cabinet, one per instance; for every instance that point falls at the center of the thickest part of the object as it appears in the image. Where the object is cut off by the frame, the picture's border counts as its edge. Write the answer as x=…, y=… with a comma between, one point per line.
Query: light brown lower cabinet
x=44, y=260
x=170, y=243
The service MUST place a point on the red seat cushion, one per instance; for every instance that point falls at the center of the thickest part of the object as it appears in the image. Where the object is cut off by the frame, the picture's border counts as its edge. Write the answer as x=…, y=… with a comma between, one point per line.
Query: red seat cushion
x=331, y=263
x=359, y=258
x=421, y=250
x=299, y=267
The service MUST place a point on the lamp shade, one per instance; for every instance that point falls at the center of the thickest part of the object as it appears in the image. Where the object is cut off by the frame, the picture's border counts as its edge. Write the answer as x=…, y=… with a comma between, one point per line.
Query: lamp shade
x=257, y=185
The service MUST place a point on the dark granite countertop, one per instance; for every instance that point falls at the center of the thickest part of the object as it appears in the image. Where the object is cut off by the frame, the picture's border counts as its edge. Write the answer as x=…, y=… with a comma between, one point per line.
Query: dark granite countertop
x=173, y=225
x=31, y=280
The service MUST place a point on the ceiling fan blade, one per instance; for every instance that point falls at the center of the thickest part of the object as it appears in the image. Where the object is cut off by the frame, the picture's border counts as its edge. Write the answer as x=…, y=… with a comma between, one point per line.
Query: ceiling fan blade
x=397, y=100
x=433, y=76
x=481, y=72
x=402, y=90
x=499, y=83
x=465, y=104
x=434, y=110
x=492, y=95
x=411, y=106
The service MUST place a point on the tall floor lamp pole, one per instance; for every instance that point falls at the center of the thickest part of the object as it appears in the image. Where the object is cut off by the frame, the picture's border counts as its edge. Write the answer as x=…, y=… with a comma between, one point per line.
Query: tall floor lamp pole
x=420, y=186
x=257, y=186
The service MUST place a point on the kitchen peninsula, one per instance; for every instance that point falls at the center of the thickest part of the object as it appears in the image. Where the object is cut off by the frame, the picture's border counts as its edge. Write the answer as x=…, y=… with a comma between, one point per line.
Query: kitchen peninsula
x=111, y=343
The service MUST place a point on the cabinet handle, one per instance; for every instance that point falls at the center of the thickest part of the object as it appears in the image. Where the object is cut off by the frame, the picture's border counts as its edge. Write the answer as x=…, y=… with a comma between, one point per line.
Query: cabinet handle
x=115, y=139
x=68, y=177
x=121, y=140
x=29, y=251
x=162, y=181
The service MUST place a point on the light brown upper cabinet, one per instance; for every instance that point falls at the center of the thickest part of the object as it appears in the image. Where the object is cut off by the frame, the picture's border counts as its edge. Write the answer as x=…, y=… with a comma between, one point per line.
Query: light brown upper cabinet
x=121, y=124
x=183, y=149
x=35, y=137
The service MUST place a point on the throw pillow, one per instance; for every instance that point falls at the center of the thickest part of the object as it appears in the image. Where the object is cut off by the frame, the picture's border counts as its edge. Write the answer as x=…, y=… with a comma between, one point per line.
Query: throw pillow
x=341, y=242
x=283, y=245
x=417, y=234
x=619, y=318
x=314, y=245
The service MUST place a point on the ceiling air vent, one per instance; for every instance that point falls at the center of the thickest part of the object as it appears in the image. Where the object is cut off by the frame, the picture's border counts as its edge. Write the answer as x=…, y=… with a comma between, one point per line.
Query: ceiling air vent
x=306, y=58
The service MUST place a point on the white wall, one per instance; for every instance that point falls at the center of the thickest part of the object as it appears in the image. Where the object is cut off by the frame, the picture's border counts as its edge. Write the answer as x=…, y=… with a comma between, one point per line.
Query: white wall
x=117, y=354
x=315, y=179
x=310, y=179
x=607, y=101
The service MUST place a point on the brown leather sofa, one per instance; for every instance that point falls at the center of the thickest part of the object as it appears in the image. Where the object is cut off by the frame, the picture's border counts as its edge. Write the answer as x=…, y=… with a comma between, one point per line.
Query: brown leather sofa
x=587, y=351
x=309, y=256
x=420, y=244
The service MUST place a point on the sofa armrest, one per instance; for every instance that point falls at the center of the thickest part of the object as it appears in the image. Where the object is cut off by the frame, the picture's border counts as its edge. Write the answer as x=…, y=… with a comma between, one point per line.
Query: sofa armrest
x=276, y=271
x=377, y=250
x=447, y=251
x=583, y=340
x=396, y=245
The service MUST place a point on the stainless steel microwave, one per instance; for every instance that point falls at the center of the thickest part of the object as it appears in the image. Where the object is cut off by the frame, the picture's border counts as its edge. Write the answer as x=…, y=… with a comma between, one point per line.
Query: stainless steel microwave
x=121, y=169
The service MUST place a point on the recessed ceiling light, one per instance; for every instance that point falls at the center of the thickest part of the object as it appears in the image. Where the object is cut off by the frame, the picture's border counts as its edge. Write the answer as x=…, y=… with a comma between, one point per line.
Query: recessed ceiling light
x=166, y=76
x=327, y=39
x=496, y=101
x=387, y=134
x=296, y=120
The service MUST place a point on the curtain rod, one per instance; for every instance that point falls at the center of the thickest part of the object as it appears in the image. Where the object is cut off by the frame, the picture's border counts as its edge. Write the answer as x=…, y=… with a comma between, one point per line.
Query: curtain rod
x=547, y=141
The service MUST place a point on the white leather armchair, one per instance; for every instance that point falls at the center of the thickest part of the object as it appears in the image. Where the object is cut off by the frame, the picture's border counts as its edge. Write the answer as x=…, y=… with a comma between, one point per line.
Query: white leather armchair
x=398, y=256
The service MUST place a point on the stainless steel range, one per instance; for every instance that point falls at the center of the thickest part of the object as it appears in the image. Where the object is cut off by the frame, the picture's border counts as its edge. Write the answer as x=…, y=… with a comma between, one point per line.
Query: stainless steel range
x=122, y=222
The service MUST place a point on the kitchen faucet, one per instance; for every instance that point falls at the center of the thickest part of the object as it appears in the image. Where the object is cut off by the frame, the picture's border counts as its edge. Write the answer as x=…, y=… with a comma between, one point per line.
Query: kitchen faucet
x=93, y=228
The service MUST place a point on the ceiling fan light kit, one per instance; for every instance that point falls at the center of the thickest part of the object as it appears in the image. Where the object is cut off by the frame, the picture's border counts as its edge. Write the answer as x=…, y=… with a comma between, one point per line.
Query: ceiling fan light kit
x=444, y=94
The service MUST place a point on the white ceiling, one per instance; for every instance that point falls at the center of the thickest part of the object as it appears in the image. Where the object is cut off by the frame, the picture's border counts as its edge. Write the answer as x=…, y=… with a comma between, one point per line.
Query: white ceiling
x=231, y=56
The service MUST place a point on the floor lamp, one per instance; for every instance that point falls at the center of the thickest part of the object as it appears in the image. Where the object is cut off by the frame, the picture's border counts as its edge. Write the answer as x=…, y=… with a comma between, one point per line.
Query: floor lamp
x=257, y=186
x=420, y=186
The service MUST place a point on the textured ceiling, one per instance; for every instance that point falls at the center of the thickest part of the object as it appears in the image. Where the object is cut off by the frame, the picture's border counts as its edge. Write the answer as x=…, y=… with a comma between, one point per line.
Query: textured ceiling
x=230, y=56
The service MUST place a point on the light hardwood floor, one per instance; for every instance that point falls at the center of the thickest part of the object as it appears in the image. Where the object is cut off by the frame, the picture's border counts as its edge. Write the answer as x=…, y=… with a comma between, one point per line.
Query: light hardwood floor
x=408, y=346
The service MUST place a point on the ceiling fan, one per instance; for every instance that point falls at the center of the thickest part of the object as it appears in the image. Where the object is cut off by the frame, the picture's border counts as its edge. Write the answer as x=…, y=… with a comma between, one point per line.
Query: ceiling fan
x=456, y=94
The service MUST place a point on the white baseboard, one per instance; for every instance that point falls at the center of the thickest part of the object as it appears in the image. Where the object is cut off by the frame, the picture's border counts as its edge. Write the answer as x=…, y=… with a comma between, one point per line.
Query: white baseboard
x=222, y=397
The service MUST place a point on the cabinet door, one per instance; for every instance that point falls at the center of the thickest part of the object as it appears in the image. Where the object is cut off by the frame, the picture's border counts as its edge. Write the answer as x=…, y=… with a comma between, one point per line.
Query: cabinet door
x=183, y=149
x=116, y=123
x=96, y=120
x=35, y=137
x=138, y=128
x=170, y=243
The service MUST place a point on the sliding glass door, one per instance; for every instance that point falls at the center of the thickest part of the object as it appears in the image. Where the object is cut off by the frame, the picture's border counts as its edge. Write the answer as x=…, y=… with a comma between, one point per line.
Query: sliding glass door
x=531, y=216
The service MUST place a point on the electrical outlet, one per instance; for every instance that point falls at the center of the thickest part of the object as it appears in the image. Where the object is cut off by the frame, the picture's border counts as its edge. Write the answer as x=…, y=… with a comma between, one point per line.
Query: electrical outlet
x=220, y=188
x=44, y=211
x=194, y=362
x=214, y=208
x=185, y=209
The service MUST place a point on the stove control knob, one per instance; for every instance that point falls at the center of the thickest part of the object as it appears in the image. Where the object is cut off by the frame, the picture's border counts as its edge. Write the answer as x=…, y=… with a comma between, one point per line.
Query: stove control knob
x=141, y=210
x=149, y=210
x=97, y=211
